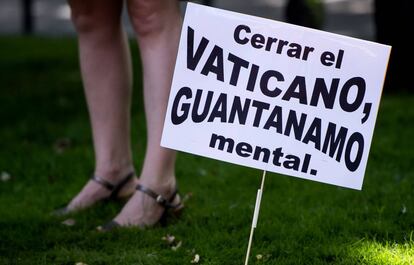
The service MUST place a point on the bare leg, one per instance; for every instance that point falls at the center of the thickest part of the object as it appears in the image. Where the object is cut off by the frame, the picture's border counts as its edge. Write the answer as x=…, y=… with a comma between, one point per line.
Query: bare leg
x=157, y=24
x=106, y=72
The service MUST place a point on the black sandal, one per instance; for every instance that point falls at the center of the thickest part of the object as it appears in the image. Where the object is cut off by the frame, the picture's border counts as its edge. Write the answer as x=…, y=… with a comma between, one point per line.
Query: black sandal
x=113, y=188
x=170, y=209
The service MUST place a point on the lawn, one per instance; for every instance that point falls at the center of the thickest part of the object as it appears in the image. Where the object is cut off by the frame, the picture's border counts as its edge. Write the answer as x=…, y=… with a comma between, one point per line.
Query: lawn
x=46, y=157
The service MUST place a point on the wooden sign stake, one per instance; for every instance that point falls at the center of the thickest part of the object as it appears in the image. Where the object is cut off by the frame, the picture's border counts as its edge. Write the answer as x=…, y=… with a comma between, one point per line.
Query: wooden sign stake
x=255, y=216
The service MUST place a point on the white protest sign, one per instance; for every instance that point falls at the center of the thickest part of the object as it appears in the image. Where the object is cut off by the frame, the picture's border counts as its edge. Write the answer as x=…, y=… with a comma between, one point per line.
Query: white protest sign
x=275, y=96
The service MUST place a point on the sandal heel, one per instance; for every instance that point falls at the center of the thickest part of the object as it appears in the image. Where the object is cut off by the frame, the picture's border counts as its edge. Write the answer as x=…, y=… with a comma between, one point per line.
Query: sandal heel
x=173, y=208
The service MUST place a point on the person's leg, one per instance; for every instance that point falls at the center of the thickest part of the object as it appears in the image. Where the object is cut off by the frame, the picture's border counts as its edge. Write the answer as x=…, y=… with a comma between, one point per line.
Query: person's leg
x=107, y=79
x=157, y=24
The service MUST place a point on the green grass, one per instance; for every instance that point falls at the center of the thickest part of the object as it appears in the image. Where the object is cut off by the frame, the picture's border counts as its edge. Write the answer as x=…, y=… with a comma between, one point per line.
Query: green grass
x=301, y=222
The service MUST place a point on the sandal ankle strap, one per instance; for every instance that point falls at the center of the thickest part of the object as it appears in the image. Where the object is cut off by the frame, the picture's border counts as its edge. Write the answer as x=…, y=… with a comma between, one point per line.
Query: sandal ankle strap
x=158, y=197
x=109, y=185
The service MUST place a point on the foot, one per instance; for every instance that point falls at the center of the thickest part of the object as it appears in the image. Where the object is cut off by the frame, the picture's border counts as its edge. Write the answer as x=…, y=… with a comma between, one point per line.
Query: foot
x=141, y=209
x=94, y=191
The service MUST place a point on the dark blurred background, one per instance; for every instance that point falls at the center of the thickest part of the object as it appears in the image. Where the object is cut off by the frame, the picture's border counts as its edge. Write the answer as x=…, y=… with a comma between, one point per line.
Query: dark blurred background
x=375, y=20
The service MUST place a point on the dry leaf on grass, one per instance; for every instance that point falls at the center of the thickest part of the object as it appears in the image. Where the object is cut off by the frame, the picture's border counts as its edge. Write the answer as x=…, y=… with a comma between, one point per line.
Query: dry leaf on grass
x=176, y=247
x=69, y=222
x=404, y=209
x=168, y=238
x=196, y=259
x=4, y=176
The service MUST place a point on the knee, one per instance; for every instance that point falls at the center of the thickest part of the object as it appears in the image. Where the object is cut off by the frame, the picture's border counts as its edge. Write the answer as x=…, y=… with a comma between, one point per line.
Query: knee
x=151, y=16
x=90, y=16
x=83, y=15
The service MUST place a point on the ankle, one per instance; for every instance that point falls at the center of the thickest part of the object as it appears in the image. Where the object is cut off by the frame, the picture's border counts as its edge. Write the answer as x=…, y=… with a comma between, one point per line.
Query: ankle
x=160, y=184
x=112, y=172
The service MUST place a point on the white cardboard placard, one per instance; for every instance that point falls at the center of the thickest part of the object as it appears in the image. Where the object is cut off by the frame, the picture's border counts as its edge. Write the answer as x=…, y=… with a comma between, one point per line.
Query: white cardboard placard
x=275, y=96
